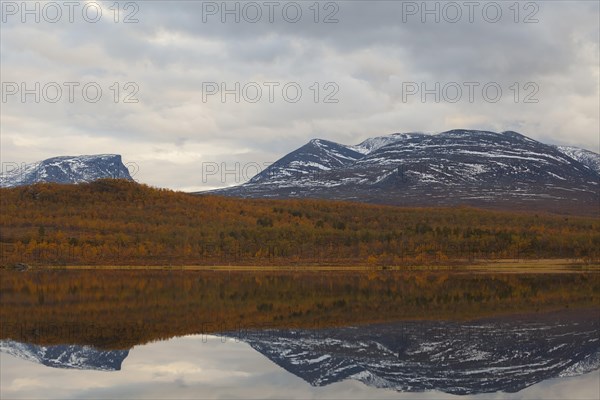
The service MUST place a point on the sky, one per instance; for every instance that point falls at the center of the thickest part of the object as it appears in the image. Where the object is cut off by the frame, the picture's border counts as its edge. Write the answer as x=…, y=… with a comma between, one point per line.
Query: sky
x=198, y=94
x=204, y=366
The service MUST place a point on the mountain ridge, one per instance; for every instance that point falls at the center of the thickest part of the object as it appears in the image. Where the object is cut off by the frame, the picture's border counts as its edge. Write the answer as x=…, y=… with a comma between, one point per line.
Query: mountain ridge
x=456, y=167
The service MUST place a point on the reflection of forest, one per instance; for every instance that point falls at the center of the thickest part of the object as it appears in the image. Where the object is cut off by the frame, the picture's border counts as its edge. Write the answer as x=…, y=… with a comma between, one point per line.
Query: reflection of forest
x=120, y=308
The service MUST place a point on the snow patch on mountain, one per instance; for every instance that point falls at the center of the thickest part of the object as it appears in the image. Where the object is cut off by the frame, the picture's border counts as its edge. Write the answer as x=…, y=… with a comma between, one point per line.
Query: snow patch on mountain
x=586, y=157
x=372, y=144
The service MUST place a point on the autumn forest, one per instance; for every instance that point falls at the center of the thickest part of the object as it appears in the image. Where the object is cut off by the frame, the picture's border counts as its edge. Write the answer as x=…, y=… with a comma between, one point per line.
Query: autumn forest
x=115, y=222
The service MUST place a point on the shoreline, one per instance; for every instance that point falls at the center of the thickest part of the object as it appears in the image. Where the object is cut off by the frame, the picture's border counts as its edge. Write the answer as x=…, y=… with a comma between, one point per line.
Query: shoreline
x=541, y=266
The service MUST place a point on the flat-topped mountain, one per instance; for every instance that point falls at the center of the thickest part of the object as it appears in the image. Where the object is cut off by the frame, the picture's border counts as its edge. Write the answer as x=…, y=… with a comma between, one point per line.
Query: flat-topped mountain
x=66, y=169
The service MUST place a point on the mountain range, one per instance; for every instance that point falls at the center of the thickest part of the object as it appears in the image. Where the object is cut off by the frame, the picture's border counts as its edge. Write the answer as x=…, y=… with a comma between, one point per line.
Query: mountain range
x=457, y=167
x=65, y=169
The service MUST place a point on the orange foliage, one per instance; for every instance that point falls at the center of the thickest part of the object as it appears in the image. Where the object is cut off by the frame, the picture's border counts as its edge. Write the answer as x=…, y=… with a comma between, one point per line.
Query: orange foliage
x=113, y=222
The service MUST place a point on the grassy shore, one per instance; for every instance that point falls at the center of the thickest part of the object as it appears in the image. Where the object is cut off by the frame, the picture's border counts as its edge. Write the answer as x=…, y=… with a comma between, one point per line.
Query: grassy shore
x=483, y=266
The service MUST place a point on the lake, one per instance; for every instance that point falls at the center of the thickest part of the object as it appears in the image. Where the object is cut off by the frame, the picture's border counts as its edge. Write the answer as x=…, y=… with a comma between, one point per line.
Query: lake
x=327, y=334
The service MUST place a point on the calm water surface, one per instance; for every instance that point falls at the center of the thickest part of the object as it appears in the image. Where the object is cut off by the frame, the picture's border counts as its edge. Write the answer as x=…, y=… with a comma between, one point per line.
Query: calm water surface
x=109, y=335
x=550, y=355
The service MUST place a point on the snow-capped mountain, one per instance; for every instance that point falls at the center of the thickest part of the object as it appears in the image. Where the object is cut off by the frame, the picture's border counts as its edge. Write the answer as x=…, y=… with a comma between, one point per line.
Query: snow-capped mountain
x=468, y=167
x=586, y=157
x=66, y=169
x=66, y=356
x=313, y=158
x=504, y=354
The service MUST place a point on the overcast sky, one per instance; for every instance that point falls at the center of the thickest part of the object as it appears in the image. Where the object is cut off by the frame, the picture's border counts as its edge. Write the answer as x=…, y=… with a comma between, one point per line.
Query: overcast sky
x=361, y=67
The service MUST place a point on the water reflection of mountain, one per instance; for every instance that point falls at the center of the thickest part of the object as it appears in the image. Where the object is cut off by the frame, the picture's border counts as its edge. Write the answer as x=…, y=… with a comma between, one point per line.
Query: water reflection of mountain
x=488, y=355
x=501, y=354
x=66, y=356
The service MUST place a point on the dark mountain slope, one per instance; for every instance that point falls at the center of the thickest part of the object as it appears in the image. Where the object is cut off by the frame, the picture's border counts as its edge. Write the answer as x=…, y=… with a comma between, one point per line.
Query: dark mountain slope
x=459, y=167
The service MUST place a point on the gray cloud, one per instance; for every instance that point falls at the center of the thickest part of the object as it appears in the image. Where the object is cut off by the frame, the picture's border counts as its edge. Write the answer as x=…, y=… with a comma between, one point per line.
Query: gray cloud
x=370, y=54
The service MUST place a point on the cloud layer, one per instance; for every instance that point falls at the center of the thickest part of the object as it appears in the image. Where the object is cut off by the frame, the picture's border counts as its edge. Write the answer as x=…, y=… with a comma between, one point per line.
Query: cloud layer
x=364, y=68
